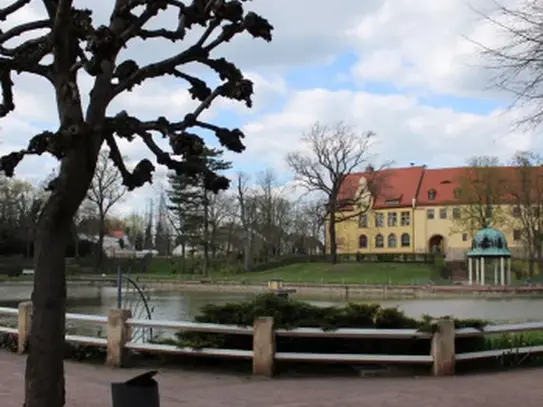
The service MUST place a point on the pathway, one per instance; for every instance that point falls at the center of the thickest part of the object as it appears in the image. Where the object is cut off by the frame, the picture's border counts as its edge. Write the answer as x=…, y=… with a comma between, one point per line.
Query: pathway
x=88, y=386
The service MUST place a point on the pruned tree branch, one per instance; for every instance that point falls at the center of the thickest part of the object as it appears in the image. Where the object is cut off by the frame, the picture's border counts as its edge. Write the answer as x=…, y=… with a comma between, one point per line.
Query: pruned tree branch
x=69, y=41
x=104, y=43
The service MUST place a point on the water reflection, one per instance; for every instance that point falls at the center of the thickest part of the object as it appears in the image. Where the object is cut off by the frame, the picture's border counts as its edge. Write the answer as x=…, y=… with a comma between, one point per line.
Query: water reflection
x=184, y=306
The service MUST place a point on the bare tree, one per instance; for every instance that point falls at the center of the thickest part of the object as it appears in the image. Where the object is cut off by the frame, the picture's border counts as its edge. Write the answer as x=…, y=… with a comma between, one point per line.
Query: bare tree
x=517, y=63
x=480, y=192
x=105, y=191
x=59, y=48
x=334, y=152
x=526, y=190
x=247, y=215
x=220, y=208
x=273, y=214
x=309, y=222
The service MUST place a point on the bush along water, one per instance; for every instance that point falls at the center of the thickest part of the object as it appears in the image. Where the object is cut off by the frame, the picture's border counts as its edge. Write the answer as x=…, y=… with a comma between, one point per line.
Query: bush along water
x=290, y=314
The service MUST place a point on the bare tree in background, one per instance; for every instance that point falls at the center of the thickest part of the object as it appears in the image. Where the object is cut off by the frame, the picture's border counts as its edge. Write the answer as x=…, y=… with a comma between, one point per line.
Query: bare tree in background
x=273, y=211
x=247, y=212
x=526, y=191
x=518, y=63
x=221, y=206
x=479, y=194
x=105, y=191
x=334, y=152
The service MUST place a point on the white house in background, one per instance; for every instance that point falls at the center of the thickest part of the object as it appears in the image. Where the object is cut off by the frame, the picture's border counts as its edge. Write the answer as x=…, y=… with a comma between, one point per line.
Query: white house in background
x=189, y=251
x=111, y=246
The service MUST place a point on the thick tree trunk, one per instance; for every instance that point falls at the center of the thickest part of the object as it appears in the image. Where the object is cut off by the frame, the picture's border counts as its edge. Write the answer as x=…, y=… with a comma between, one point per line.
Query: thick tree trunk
x=248, y=251
x=206, y=234
x=44, y=376
x=101, y=235
x=45, y=367
x=332, y=238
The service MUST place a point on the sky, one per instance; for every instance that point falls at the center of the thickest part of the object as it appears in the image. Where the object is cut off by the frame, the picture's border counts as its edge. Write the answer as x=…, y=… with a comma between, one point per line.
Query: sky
x=409, y=70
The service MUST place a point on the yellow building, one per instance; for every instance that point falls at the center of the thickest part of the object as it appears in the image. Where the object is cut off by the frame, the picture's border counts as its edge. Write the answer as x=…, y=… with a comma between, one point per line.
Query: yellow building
x=417, y=210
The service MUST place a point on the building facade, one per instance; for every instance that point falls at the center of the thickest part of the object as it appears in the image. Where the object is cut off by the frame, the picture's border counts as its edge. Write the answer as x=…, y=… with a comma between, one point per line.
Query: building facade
x=416, y=210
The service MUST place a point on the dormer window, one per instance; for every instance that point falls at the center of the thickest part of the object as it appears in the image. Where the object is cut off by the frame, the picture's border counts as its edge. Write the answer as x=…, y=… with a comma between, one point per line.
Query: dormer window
x=432, y=195
x=392, y=202
x=457, y=193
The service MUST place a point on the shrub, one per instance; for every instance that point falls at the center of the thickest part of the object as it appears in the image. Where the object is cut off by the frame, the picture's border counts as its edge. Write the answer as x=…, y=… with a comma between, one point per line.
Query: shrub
x=289, y=314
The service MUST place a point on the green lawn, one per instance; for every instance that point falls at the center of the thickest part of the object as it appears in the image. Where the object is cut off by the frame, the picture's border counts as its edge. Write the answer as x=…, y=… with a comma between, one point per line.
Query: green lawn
x=349, y=273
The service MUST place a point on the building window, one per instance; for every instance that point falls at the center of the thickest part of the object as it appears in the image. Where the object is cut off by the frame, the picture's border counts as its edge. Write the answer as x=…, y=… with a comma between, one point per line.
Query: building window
x=516, y=212
x=406, y=240
x=392, y=241
x=392, y=219
x=432, y=195
x=406, y=218
x=464, y=237
x=363, y=242
x=456, y=213
x=379, y=241
x=443, y=213
x=517, y=235
x=363, y=221
x=457, y=193
x=379, y=220
x=430, y=214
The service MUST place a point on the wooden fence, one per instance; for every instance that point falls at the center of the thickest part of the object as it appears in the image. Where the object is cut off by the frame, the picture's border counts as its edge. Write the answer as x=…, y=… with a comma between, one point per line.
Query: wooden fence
x=118, y=324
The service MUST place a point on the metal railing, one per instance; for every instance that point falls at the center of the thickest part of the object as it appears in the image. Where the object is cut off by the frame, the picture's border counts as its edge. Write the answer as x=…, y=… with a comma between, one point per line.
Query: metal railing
x=437, y=340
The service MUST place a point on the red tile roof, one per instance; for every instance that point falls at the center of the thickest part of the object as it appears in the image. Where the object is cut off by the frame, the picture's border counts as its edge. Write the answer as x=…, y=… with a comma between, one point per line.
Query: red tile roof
x=395, y=187
x=118, y=234
x=442, y=181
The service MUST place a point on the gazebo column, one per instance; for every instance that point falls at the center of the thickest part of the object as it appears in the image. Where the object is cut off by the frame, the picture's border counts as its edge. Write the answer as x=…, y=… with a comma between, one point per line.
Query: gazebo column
x=470, y=271
x=477, y=271
x=502, y=271
x=509, y=281
x=482, y=271
x=495, y=272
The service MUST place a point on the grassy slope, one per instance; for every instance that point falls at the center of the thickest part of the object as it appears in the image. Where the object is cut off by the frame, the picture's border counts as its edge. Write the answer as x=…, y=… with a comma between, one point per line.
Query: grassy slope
x=353, y=273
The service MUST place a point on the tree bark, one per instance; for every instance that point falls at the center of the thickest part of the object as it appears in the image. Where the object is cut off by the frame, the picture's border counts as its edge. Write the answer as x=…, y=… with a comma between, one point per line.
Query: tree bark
x=206, y=233
x=44, y=374
x=332, y=237
x=101, y=234
x=45, y=367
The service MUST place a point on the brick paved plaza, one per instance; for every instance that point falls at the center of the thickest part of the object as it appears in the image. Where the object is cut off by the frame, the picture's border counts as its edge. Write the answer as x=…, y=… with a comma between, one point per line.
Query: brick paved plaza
x=88, y=386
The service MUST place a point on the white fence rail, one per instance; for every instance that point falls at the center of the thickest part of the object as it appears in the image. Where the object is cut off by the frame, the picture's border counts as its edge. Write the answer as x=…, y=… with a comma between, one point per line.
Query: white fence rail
x=442, y=357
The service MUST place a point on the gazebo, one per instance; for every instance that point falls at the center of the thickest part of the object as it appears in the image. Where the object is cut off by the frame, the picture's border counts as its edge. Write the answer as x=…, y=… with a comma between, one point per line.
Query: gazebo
x=489, y=245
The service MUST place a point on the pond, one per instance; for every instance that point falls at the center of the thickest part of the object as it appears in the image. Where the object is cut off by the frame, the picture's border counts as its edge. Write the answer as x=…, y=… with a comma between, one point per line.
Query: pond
x=184, y=306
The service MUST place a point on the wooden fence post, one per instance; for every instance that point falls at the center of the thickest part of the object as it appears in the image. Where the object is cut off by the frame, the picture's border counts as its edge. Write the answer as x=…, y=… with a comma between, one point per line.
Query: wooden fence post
x=443, y=349
x=263, y=347
x=24, y=324
x=118, y=334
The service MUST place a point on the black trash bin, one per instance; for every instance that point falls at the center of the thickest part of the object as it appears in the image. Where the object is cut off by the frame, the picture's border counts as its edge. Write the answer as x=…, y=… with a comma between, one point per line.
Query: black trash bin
x=140, y=391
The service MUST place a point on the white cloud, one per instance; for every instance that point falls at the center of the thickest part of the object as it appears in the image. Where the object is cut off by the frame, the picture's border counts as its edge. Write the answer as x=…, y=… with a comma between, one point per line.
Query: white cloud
x=418, y=46
x=429, y=45
x=407, y=130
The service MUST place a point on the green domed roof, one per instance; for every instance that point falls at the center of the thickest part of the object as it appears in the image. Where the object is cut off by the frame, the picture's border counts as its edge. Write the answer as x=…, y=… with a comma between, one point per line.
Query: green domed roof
x=489, y=242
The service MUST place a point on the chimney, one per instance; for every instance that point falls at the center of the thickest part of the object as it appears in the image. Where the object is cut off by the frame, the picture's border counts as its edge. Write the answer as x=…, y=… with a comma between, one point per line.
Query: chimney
x=412, y=164
x=370, y=168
